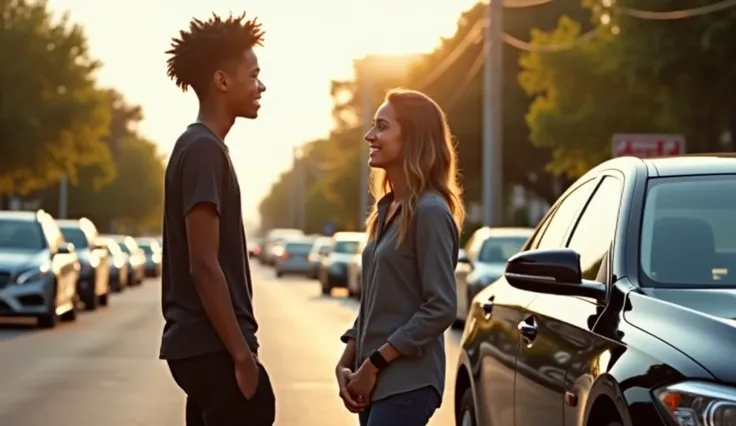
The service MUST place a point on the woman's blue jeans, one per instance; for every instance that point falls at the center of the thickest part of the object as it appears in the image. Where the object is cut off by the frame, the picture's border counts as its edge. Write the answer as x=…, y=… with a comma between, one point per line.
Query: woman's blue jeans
x=413, y=408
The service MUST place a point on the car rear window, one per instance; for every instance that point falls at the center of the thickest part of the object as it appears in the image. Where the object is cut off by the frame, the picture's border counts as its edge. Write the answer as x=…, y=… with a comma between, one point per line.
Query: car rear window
x=298, y=248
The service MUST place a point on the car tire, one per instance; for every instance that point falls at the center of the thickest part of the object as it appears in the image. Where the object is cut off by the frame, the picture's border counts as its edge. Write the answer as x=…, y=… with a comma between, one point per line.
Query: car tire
x=70, y=315
x=279, y=274
x=91, y=301
x=466, y=413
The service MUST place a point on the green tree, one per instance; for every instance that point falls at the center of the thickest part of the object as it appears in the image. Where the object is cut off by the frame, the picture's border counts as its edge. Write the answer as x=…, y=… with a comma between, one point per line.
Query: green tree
x=458, y=89
x=583, y=98
x=134, y=198
x=688, y=58
x=52, y=117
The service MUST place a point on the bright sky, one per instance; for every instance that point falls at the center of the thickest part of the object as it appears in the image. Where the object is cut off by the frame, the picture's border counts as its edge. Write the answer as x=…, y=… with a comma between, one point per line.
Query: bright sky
x=307, y=45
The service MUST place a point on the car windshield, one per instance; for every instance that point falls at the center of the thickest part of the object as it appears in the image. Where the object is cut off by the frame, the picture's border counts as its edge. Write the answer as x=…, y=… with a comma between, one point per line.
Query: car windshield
x=20, y=234
x=298, y=248
x=75, y=236
x=350, y=247
x=688, y=237
x=500, y=249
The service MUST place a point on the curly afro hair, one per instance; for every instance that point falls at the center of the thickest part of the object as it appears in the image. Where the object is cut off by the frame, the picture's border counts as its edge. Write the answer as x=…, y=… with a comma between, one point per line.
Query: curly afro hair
x=207, y=47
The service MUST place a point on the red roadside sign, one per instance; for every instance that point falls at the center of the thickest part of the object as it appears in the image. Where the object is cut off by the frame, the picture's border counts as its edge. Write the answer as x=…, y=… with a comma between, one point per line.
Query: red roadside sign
x=647, y=145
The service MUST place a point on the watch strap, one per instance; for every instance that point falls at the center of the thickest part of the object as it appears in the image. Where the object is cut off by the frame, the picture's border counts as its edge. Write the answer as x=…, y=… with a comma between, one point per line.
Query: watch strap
x=378, y=360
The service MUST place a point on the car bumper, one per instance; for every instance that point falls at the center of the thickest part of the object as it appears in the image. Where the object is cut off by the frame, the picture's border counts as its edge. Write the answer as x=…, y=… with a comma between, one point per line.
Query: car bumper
x=28, y=299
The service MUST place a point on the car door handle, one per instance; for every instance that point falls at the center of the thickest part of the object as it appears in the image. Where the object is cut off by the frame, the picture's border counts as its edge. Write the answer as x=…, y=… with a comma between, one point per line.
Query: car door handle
x=488, y=305
x=528, y=331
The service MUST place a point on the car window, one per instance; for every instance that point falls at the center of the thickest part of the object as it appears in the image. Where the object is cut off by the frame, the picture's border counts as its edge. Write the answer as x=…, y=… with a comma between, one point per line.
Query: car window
x=21, y=235
x=298, y=248
x=688, y=237
x=596, y=228
x=500, y=249
x=75, y=236
x=565, y=215
x=349, y=247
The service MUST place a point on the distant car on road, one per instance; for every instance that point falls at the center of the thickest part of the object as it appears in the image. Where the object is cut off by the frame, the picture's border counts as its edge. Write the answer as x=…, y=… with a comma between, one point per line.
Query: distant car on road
x=293, y=258
x=483, y=260
x=153, y=252
x=38, y=269
x=274, y=238
x=93, y=285
x=334, y=268
x=136, y=258
x=118, y=262
x=619, y=310
x=321, y=248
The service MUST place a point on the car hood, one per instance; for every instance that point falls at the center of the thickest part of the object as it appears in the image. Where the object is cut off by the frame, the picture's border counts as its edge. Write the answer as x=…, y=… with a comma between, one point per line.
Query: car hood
x=701, y=323
x=13, y=260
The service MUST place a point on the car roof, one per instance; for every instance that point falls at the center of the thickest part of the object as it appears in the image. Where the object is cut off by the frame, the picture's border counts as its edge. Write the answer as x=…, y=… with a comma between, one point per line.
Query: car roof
x=504, y=231
x=19, y=215
x=693, y=164
x=682, y=165
x=349, y=236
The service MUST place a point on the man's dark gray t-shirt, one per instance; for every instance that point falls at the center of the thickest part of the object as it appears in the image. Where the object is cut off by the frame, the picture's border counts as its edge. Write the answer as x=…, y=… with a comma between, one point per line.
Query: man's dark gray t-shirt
x=200, y=171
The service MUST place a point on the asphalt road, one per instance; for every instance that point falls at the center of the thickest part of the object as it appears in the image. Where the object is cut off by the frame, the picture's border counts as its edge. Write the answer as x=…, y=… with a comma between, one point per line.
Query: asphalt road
x=103, y=369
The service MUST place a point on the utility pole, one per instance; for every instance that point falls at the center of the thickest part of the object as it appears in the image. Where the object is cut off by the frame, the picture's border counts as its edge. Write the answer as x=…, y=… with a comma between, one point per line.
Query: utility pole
x=302, y=185
x=294, y=189
x=63, y=196
x=367, y=97
x=492, y=119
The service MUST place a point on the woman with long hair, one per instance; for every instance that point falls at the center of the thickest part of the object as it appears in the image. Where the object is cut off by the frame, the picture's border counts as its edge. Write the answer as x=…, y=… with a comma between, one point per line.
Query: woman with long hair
x=392, y=371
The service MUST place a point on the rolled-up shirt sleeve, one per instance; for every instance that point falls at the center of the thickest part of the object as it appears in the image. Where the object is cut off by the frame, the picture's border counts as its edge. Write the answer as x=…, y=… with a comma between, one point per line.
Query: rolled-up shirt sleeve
x=350, y=333
x=436, y=245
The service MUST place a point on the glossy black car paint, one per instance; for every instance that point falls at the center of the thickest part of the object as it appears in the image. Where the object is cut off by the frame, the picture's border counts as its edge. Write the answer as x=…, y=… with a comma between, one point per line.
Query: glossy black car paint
x=607, y=355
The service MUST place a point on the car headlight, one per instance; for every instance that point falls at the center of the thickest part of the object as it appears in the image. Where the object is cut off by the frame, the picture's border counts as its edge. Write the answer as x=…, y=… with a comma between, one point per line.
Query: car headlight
x=699, y=403
x=33, y=274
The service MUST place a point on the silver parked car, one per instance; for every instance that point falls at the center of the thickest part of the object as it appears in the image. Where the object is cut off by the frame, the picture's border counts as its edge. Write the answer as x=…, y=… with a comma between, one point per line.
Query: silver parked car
x=93, y=285
x=38, y=269
x=293, y=257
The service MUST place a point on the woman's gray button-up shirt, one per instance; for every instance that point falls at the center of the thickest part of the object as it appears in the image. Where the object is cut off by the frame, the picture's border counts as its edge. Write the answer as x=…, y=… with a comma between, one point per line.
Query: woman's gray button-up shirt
x=408, y=297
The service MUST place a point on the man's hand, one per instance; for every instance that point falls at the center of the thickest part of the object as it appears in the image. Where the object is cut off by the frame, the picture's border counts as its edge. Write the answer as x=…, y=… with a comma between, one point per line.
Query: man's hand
x=362, y=382
x=343, y=379
x=247, y=375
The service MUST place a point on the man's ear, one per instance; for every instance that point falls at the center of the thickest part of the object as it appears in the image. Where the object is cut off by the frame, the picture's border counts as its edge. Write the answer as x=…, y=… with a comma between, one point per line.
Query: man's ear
x=220, y=80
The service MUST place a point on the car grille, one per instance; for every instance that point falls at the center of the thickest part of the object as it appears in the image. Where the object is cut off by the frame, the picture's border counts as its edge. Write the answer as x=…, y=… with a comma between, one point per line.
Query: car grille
x=4, y=279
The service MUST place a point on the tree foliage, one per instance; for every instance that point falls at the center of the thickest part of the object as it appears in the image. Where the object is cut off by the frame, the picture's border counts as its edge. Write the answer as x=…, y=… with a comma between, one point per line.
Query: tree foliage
x=52, y=117
x=134, y=198
x=678, y=81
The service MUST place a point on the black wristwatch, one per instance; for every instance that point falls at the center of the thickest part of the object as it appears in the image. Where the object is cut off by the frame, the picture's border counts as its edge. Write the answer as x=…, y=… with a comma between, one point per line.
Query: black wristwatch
x=378, y=360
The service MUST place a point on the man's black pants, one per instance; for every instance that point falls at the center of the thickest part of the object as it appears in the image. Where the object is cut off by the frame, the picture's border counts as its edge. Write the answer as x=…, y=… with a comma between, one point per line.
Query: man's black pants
x=213, y=396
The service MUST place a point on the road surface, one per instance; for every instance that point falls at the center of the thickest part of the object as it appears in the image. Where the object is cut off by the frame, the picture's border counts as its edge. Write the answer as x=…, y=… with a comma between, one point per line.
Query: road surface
x=103, y=369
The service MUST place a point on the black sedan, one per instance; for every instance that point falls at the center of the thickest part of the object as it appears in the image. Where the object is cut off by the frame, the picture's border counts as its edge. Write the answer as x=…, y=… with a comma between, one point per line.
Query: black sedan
x=619, y=311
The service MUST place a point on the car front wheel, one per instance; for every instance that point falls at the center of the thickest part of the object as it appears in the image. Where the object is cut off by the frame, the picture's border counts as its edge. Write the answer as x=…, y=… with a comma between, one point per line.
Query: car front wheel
x=466, y=414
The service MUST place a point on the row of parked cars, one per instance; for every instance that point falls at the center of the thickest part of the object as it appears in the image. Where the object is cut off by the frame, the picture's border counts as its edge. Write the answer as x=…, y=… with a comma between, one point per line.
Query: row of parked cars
x=334, y=261
x=618, y=309
x=50, y=268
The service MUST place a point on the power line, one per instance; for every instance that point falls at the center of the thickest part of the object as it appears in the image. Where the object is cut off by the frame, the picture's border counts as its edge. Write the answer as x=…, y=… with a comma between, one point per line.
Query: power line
x=475, y=34
x=676, y=14
x=520, y=4
x=471, y=74
x=549, y=48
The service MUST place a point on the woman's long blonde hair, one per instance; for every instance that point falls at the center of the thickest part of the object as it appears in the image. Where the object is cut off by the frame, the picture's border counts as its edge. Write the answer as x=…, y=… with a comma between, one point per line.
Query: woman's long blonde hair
x=430, y=161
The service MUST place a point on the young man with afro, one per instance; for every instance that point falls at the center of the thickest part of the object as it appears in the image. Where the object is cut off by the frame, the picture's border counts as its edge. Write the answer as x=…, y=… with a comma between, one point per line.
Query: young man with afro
x=209, y=339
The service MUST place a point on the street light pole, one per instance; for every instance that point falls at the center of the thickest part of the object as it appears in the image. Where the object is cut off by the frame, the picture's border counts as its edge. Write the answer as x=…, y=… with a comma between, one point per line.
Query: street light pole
x=367, y=97
x=492, y=118
x=63, y=196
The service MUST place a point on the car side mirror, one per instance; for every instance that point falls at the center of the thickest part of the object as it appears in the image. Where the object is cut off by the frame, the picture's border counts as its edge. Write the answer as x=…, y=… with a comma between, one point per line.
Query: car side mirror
x=65, y=248
x=462, y=257
x=554, y=271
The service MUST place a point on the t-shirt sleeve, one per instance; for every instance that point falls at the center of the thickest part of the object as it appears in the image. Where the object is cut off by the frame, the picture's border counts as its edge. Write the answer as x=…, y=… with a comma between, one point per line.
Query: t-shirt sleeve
x=202, y=174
